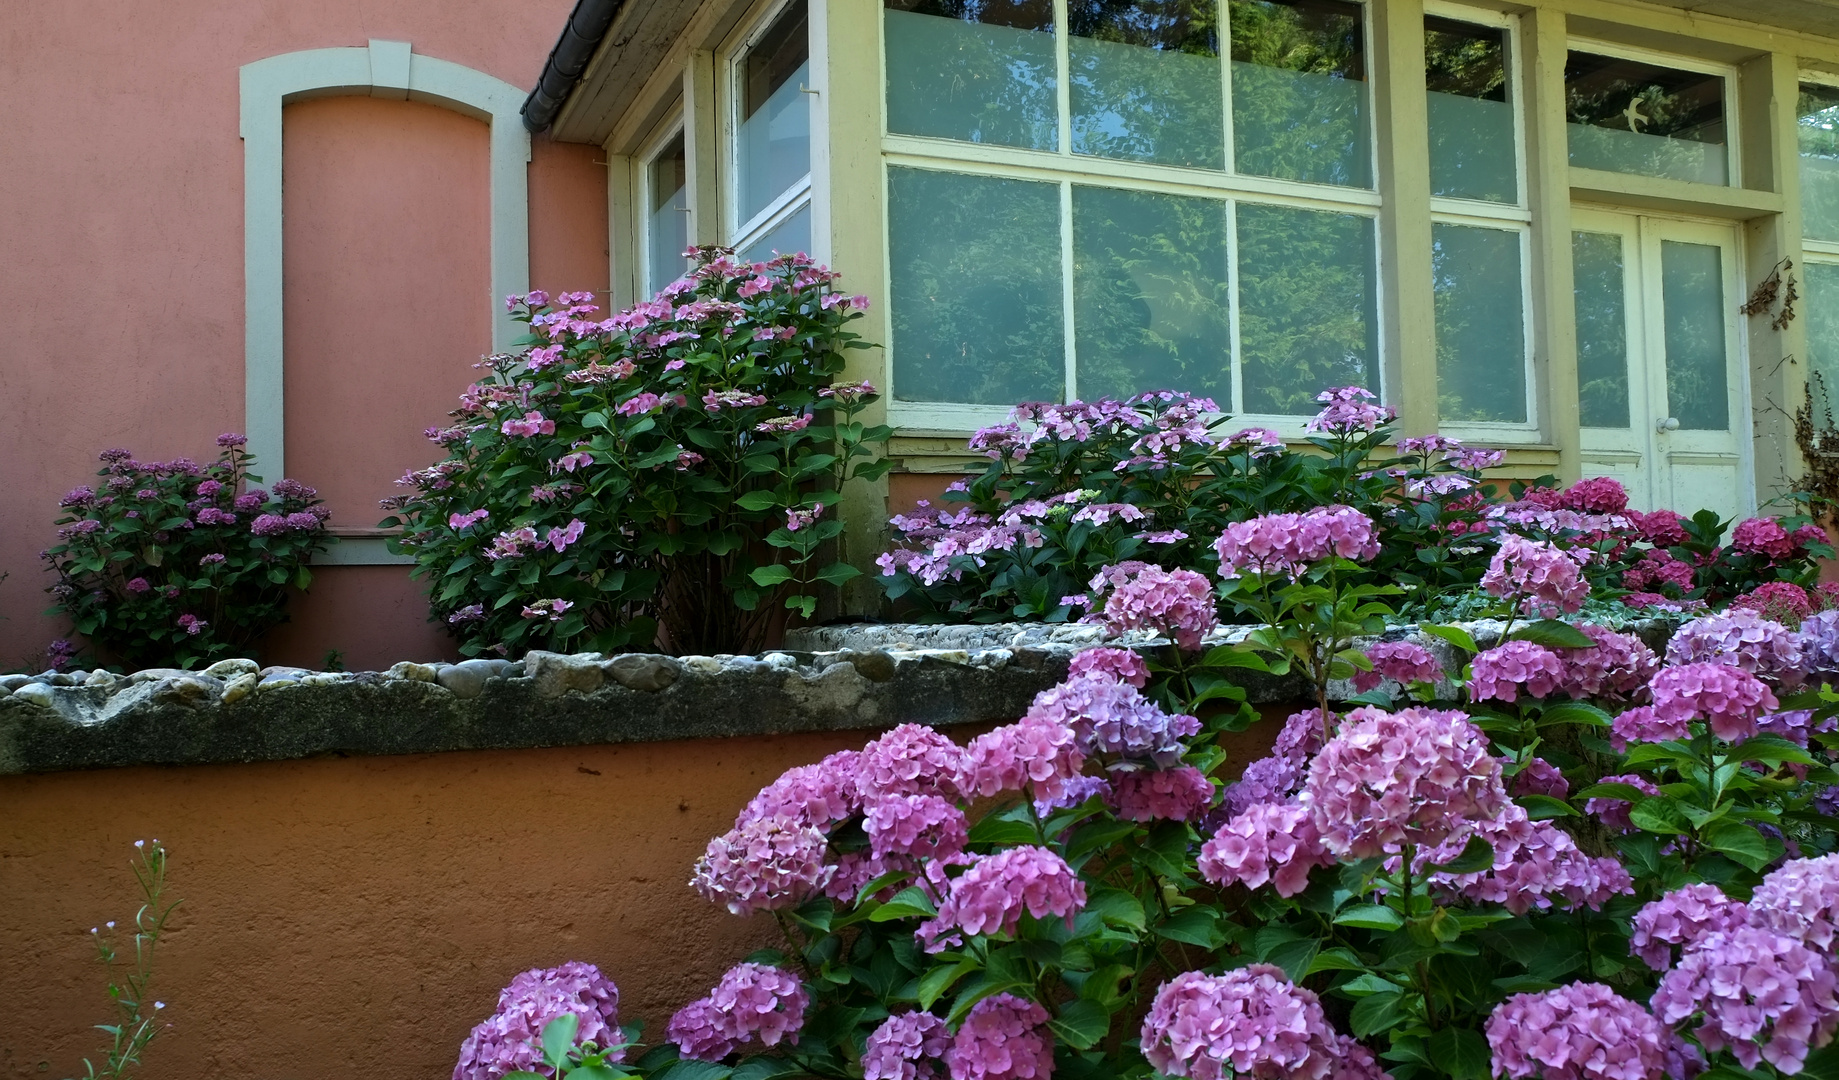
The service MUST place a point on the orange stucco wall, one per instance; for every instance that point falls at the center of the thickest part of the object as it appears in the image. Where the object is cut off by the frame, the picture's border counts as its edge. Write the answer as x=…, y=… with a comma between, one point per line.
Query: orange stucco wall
x=121, y=209
x=355, y=917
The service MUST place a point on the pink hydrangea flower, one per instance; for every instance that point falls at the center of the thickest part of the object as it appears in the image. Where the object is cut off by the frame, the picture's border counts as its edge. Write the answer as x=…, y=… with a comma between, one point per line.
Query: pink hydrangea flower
x=910, y=760
x=923, y=825
x=1268, y=842
x=511, y=1039
x=1174, y=603
x=1661, y=528
x=1403, y=662
x=1181, y=794
x=1583, y=1031
x=1598, y=495
x=1536, y=864
x=1763, y=996
x=1348, y=410
x=990, y=896
x=1613, y=812
x=1658, y=569
x=1542, y=576
x=1252, y=1022
x=1801, y=899
x=1682, y=917
x=1778, y=601
x=1390, y=779
x=1286, y=544
x=1540, y=777
x=1114, y=718
x=818, y=796
x=1034, y=752
x=1763, y=536
x=1120, y=664
x=1618, y=667
x=752, y=1002
x=1643, y=724
x=1356, y=1062
x=1729, y=699
x=762, y=865
x=533, y=423
x=1743, y=639
x=907, y=1046
x=1003, y=1037
x=1500, y=673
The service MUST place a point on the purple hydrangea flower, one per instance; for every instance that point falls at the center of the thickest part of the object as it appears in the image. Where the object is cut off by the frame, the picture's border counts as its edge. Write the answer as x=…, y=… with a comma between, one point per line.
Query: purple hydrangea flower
x=991, y=895
x=1583, y=1031
x=923, y=825
x=1643, y=724
x=1390, y=779
x=1727, y=698
x=910, y=760
x=1535, y=864
x=511, y=1039
x=1120, y=664
x=1682, y=917
x=764, y=864
x=1403, y=662
x=1003, y=1037
x=907, y=1046
x=819, y=795
x=1285, y=544
x=1177, y=604
x=1500, y=673
x=752, y=1002
x=1743, y=639
x=1613, y=812
x=1252, y=1022
x=1540, y=777
x=1034, y=752
x=1618, y=667
x=1114, y=718
x=1348, y=410
x=1542, y=576
x=1764, y=996
x=1800, y=899
x=1820, y=642
x=1180, y=794
x=1274, y=842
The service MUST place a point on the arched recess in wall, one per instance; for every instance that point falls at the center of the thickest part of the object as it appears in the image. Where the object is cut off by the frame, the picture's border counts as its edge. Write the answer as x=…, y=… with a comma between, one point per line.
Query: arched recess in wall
x=386, y=69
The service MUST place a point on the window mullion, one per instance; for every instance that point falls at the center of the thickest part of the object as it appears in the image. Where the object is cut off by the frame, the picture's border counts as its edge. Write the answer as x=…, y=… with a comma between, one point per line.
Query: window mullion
x=1063, y=81
x=1071, y=390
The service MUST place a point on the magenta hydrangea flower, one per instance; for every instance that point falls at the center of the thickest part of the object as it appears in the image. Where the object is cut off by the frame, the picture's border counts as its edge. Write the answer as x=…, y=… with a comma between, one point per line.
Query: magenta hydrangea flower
x=1177, y=604
x=1763, y=536
x=1597, y=495
x=1781, y=601
x=512, y=1038
x=1618, y=667
x=1404, y=662
x=819, y=795
x=1613, y=812
x=1801, y=899
x=1540, y=777
x=923, y=825
x=1252, y=1022
x=1743, y=639
x=1114, y=718
x=990, y=896
x=1120, y=664
x=1035, y=752
x=1180, y=794
x=1501, y=672
x=1583, y=1031
x=1542, y=576
x=910, y=760
x=752, y=1002
x=1727, y=698
x=1268, y=842
x=1682, y=917
x=1003, y=1037
x=1286, y=544
x=907, y=1046
x=1763, y=996
x=764, y=864
x=1389, y=779
x=1536, y=864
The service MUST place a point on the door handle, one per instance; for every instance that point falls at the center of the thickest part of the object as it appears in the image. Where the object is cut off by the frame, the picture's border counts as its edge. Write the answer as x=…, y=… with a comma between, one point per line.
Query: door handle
x=1666, y=424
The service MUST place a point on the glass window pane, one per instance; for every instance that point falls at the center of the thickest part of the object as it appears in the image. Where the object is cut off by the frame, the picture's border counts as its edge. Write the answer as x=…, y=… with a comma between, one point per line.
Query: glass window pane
x=1299, y=107
x=977, y=70
x=1152, y=306
x=1472, y=152
x=1602, y=329
x=1819, y=116
x=1692, y=299
x=1481, y=324
x=667, y=225
x=1631, y=117
x=1146, y=81
x=775, y=134
x=975, y=288
x=1307, y=307
x=789, y=236
x=1822, y=310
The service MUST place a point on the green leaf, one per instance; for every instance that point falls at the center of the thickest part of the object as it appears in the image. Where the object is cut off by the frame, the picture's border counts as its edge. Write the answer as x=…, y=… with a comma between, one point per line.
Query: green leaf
x=761, y=1068
x=934, y=983
x=559, y=1036
x=1371, y=917
x=592, y=1072
x=1197, y=925
x=1553, y=634
x=1336, y=959
x=908, y=903
x=691, y=1069
x=1115, y=907
x=1477, y=855
x=768, y=576
x=1461, y=1052
x=1376, y=1013
x=1771, y=749
x=1659, y=814
x=1081, y=1023
x=1544, y=807
x=757, y=500
x=1740, y=842
x=1294, y=957
x=1455, y=635
x=1573, y=712
x=1003, y=832
x=1617, y=790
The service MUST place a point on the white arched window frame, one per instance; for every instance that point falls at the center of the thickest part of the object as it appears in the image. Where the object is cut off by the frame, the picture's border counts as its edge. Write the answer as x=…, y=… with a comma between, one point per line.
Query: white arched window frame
x=383, y=69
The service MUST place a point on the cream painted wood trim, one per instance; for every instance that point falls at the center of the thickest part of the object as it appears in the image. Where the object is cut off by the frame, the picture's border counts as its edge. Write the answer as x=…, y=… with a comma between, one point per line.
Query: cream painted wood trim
x=1545, y=46
x=1407, y=302
x=385, y=69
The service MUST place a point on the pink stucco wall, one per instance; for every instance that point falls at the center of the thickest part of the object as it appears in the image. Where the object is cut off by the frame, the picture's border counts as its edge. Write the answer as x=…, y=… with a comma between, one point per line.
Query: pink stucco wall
x=122, y=279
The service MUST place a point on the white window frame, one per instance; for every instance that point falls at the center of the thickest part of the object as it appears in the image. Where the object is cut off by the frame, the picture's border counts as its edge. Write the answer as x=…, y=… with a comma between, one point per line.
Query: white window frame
x=673, y=127
x=1515, y=217
x=1065, y=168
x=1733, y=133
x=743, y=234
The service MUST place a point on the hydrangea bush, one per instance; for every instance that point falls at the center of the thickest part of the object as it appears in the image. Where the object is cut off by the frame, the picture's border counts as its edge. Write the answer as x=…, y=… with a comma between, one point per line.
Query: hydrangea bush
x=1072, y=489
x=666, y=476
x=173, y=563
x=1559, y=855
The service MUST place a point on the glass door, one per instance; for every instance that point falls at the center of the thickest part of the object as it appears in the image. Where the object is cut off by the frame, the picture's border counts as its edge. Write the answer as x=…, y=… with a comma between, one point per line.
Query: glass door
x=1659, y=360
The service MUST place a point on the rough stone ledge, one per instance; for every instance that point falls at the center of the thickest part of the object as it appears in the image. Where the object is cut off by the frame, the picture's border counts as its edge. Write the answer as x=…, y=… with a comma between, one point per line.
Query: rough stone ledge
x=832, y=679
